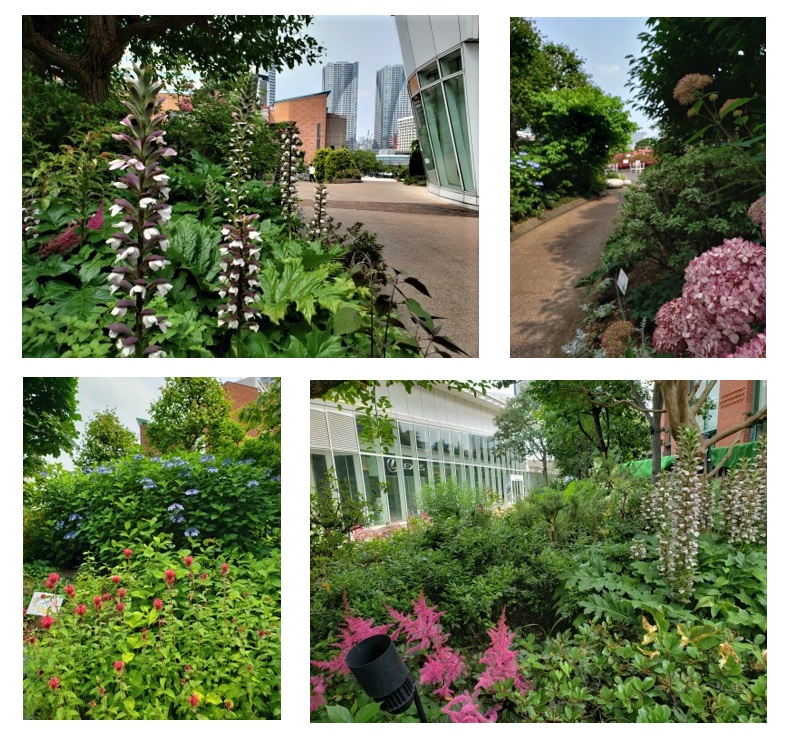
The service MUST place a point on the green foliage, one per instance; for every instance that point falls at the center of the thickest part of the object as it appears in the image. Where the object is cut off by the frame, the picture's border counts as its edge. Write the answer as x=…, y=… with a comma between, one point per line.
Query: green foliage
x=684, y=206
x=191, y=412
x=730, y=50
x=365, y=160
x=210, y=635
x=49, y=412
x=449, y=499
x=335, y=512
x=105, y=439
x=192, y=498
x=336, y=164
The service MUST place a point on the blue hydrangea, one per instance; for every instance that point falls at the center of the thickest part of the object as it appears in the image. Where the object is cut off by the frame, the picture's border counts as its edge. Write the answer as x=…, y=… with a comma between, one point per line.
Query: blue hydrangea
x=148, y=483
x=156, y=459
x=102, y=470
x=252, y=483
x=249, y=460
x=59, y=524
x=191, y=531
x=539, y=184
x=177, y=519
x=138, y=457
x=192, y=491
x=212, y=469
x=226, y=462
x=276, y=478
x=70, y=535
x=168, y=465
x=75, y=517
x=175, y=507
x=207, y=458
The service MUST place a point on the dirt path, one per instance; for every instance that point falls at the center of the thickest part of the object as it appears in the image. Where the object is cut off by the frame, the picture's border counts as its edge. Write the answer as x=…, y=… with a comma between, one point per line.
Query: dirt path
x=546, y=263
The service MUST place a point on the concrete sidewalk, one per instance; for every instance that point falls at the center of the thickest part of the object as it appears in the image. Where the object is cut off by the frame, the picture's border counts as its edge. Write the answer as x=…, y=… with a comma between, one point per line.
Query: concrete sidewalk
x=423, y=236
x=546, y=263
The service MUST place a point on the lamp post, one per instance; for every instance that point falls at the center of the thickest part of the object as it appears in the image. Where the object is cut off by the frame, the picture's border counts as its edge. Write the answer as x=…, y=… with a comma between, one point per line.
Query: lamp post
x=383, y=676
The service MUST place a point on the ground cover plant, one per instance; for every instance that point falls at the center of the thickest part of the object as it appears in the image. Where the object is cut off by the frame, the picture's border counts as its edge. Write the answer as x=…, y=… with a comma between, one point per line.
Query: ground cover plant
x=134, y=248
x=609, y=599
x=169, y=573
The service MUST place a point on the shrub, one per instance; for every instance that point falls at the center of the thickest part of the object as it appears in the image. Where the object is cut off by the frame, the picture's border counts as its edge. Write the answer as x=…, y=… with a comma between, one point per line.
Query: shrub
x=190, y=498
x=166, y=634
x=453, y=500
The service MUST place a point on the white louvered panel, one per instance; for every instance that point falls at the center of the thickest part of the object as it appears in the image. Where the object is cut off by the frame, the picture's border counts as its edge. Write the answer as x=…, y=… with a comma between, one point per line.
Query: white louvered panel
x=343, y=432
x=319, y=435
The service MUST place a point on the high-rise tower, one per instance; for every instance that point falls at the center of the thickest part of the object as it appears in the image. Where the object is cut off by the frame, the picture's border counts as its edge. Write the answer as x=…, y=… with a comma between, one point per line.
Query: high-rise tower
x=392, y=103
x=340, y=79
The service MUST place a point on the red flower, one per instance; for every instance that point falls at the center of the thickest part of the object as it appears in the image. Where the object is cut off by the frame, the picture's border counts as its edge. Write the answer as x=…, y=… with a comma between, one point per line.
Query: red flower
x=188, y=561
x=32, y=640
x=116, y=579
x=194, y=700
x=121, y=593
x=47, y=621
x=96, y=221
x=203, y=576
x=127, y=553
x=224, y=568
x=69, y=590
x=80, y=609
x=97, y=602
x=54, y=683
x=228, y=705
x=120, y=607
x=144, y=633
x=118, y=666
x=170, y=577
x=261, y=633
x=187, y=668
x=52, y=580
x=102, y=690
x=105, y=596
x=158, y=604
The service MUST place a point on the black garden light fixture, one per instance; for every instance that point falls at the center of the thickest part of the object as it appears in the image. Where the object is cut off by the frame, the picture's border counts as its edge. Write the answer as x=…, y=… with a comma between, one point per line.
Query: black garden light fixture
x=382, y=674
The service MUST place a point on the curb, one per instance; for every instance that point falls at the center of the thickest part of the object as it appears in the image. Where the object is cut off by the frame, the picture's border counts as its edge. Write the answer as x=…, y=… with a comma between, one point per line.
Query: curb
x=526, y=226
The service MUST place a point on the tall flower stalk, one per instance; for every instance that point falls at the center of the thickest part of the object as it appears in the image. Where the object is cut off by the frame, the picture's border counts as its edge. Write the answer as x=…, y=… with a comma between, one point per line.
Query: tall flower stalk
x=290, y=144
x=317, y=228
x=139, y=242
x=241, y=237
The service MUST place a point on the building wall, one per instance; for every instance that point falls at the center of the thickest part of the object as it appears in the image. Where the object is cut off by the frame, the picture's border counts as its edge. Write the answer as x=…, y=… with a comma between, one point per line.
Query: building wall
x=336, y=131
x=441, y=62
x=310, y=115
x=736, y=404
x=340, y=78
x=440, y=436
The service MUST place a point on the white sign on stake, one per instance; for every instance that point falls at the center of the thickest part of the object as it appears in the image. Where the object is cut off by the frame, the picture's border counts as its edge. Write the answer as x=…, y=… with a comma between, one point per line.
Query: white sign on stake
x=43, y=604
x=623, y=281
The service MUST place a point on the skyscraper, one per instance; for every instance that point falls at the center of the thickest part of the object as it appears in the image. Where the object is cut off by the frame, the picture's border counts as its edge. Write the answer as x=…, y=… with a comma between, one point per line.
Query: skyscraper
x=340, y=79
x=392, y=103
x=266, y=85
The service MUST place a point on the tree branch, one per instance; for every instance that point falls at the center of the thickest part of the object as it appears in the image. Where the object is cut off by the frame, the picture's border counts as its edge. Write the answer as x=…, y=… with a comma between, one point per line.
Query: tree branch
x=752, y=420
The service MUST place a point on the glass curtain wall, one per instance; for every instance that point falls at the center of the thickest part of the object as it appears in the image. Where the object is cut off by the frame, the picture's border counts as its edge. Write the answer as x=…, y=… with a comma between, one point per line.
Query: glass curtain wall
x=440, y=108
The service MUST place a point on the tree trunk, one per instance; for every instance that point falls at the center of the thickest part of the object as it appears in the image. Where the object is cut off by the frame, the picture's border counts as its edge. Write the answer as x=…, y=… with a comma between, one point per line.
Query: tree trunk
x=655, y=419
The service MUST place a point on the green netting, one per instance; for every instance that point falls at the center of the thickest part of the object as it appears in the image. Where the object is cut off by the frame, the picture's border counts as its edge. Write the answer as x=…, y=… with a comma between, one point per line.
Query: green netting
x=643, y=467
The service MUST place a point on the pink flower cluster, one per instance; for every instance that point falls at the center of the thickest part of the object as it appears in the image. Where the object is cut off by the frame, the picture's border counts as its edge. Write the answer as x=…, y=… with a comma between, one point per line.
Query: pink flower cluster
x=355, y=630
x=186, y=106
x=755, y=347
x=688, y=86
x=500, y=660
x=724, y=297
x=757, y=213
x=423, y=631
x=668, y=336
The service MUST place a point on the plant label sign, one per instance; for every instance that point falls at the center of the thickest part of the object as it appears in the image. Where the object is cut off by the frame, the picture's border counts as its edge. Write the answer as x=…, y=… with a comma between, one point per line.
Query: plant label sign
x=623, y=281
x=42, y=604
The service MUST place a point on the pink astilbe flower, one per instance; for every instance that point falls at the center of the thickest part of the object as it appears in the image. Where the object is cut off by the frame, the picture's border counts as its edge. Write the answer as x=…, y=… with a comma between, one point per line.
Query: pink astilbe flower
x=668, y=336
x=424, y=630
x=61, y=244
x=442, y=668
x=469, y=711
x=96, y=221
x=500, y=660
x=724, y=297
x=757, y=213
x=754, y=348
x=687, y=86
x=186, y=106
x=355, y=630
x=317, y=689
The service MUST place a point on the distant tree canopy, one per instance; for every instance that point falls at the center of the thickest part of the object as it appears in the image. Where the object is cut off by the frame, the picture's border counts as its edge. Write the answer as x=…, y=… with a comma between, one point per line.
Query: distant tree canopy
x=49, y=413
x=86, y=49
x=105, y=439
x=732, y=51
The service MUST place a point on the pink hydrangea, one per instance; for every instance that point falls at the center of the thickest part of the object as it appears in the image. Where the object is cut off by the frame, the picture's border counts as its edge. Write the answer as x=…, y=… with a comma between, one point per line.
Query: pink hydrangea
x=424, y=630
x=186, y=106
x=687, y=86
x=755, y=347
x=724, y=297
x=500, y=660
x=757, y=213
x=469, y=712
x=668, y=336
x=442, y=668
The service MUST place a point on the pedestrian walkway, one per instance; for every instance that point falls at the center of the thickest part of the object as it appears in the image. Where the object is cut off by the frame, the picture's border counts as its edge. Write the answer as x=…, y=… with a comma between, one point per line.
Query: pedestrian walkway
x=422, y=235
x=546, y=263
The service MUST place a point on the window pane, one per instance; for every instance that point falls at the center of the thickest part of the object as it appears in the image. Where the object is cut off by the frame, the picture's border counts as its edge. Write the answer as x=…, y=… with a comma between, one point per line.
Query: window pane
x=436, y=442
x=406, y=434
x=457, y=109
x=421, y=440
x=410, y=486
x=425, y=140
x=393, y=490
x=451, y=63
x=441, y=140
x=373, y=487
x=347, y=477
x=428, y=75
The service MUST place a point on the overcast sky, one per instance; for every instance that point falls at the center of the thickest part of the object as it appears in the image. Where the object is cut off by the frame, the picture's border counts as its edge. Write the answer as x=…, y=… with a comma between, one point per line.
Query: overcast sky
x=603, y=43
x=370, y=40
x=130, y=397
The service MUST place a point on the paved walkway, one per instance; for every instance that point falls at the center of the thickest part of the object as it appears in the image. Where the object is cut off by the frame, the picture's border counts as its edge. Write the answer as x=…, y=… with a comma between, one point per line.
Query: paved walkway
x=546, y=263
x=422, y=235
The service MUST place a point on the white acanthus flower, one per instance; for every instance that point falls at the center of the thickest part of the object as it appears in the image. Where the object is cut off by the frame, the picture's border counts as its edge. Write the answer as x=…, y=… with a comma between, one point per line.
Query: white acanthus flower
x=166, y=213
x=125, y=226
x=138, y=289
x=121, y=185
x=145, y=202
x=149, y=321
x=164, y=288
x=118, y=164
x=131, y=252
x=116, y=210
x=162, y=179
x=150, y=232
x=156, y=264
x=115, y=243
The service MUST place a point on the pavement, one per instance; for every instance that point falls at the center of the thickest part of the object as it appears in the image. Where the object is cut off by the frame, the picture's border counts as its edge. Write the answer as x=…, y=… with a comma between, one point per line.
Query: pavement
x=546, y=262
x=422, y=235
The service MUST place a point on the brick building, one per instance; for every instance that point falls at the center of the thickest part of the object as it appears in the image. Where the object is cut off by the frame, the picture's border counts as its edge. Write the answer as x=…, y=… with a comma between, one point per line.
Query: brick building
x=318, y=129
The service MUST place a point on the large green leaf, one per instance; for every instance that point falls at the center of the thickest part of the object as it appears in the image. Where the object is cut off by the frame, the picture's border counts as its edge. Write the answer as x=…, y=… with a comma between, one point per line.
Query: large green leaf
x=77, y=302
x=195, y=247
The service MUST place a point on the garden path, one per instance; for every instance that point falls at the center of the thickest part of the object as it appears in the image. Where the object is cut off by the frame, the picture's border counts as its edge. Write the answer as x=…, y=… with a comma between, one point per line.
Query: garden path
x=424, y=236
x=546, y=263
